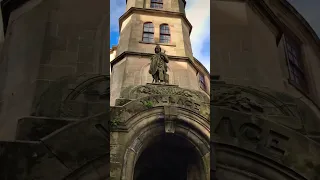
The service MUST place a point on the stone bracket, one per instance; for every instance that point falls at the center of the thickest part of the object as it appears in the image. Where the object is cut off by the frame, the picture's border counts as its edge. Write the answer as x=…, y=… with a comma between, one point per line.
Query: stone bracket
x=170, y=115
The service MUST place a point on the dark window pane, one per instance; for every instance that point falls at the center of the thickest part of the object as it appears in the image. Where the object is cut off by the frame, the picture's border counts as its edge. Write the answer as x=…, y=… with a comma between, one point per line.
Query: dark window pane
x=164, y=33
x=148, y=30
x=202, y=82
x=158, y=4
x=164, y=39
x=148, y=25
x=294, y=63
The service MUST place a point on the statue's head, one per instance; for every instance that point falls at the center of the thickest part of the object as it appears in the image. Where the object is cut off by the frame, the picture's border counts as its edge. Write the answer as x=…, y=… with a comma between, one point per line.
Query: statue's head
x=157, y=49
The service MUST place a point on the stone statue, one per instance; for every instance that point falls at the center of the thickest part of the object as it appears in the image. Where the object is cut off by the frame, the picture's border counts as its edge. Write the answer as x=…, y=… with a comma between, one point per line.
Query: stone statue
x=158, y=66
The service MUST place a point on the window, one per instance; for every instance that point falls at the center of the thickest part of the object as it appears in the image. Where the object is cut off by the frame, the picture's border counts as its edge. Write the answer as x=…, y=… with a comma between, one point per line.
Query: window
x=148, y=32
x=295, y=66
x=164, y=33
x=202, y=82
x=158, y=4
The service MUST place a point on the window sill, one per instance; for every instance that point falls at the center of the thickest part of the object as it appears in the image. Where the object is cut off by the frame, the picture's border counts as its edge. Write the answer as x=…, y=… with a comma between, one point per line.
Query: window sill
x=162, y=44
x=306, y=93
x=301, y=90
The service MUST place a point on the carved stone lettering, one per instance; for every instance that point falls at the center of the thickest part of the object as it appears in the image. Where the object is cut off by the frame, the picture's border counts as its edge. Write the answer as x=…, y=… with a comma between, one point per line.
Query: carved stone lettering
x=225, y=128
x=152, y=89
x=180, y=102
x=157, y=99
x=275, y=142
x=250, y=132
x=197, y=106
x=188, y=104
x=165, y=99
x=171, y=100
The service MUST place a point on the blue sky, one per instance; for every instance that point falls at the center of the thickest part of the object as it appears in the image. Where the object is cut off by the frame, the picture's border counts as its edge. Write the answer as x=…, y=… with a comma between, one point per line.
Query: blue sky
x=310, y=10
x=198, y=13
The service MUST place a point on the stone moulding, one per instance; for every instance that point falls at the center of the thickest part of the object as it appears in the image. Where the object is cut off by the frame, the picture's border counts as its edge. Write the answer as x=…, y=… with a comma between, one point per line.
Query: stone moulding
x=273, y=145
x=78, y=149
x=135, y=92
x=146, y=111
x=247, y=99
x=270, y=130
x=135, y=107
x=66, y=96
x=275, y=106
x=146, y=125
x=263, y=168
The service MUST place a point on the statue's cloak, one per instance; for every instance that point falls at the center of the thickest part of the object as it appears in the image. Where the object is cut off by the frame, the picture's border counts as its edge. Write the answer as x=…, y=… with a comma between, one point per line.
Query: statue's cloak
x=156, y=60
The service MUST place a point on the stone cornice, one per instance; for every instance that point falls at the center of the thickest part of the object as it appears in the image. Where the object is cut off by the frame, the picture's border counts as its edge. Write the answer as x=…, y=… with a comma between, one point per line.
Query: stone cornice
x=281, y=26
x=264, y=8
x=127, y=53
x=305, y=24
x=155, y=12
x=184, y=1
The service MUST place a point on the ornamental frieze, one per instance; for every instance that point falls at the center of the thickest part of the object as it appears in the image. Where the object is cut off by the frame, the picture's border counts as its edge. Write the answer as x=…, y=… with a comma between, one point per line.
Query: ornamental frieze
x=157, y=89
x=249, y=100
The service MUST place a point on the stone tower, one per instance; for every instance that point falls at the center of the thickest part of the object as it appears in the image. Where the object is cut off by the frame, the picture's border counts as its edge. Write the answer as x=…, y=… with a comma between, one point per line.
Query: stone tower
x=265, y=115
x=145, y=24
x=158, y=131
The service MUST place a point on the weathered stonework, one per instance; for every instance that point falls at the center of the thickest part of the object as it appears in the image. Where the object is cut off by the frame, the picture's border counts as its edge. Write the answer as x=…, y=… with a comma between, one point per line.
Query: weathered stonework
x=148, y=112
x=263, y=126
x=268, y=140
x=54, y=71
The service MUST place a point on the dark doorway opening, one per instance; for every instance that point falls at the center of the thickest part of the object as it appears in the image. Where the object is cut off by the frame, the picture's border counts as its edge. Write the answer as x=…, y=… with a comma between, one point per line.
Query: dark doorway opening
x=169, y=157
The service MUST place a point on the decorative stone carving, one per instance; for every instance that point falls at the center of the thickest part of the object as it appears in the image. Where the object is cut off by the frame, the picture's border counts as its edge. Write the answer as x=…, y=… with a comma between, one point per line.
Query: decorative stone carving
x=273, y=147
x=158, y=67
x=248, y=100
x=74, y=96
x=155, y=89
x=236, y=100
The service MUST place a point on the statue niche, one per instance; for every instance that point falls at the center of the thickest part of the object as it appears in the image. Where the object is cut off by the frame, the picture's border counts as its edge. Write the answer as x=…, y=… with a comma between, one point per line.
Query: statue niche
x=158, y=66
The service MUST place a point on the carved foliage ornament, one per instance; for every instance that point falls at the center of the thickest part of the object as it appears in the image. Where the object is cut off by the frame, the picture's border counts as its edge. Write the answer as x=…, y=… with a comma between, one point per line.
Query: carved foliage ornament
x=147, y=90
x=247, y=100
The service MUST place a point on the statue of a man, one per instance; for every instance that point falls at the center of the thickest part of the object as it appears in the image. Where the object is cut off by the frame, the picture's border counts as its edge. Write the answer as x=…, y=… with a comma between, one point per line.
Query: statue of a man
x=158, y=66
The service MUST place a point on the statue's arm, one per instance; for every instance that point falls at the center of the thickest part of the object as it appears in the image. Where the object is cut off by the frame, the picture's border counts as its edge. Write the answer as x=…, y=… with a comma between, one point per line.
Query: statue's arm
x=166, y=59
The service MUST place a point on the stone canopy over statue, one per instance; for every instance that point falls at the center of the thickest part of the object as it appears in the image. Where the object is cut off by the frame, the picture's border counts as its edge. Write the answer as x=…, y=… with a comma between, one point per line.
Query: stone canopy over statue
x=158, y=66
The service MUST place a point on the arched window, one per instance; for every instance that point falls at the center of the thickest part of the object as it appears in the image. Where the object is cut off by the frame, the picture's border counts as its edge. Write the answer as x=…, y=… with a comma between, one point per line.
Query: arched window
x=164, y=33
x=158, y=4
x=148, y=32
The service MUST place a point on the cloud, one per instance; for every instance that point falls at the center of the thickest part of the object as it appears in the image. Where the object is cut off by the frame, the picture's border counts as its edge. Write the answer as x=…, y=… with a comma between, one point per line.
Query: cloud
x=198, y=13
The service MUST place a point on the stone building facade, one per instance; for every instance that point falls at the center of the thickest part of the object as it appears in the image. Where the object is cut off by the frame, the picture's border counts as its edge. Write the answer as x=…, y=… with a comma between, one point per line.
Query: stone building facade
x=159, y=131
x=54, y=85
x=265, y=89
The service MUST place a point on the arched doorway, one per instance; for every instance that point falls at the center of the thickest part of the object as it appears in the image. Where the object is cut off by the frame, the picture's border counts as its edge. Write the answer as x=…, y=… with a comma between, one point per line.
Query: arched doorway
x=170, y=157
x=155, y=152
